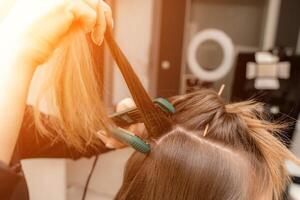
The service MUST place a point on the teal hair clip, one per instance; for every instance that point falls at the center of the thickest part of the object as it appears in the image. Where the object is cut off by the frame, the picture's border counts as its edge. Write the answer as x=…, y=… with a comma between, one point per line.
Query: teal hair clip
x=132, y=116
x=165, y=105
x=131, y=140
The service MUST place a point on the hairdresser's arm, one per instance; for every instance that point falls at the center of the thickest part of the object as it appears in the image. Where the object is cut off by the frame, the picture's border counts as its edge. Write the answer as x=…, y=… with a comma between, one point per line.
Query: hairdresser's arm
x=15, y=77
x=28, y=36
x=32, y=145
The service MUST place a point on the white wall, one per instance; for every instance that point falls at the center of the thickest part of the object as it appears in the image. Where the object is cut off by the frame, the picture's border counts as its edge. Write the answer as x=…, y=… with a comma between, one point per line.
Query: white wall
x=106, y=179
x=46, y=178
x=133, y=26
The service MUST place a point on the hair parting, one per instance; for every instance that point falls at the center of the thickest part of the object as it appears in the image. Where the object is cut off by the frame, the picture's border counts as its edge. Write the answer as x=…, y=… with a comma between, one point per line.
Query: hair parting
x=219, y=94
x=168, y=173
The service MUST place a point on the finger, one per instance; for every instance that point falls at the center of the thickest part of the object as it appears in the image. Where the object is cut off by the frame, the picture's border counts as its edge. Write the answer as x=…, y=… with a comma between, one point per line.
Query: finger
x=92, y=3
x=84, y=14
x=100, y=27
x=108, y=14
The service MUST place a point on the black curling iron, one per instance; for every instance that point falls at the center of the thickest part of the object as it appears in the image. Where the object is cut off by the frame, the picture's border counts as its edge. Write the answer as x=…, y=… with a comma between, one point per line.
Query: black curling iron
x=132, y=116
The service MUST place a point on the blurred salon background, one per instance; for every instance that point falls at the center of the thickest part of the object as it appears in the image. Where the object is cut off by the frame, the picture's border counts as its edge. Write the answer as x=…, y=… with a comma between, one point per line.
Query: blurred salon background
x=179, y=46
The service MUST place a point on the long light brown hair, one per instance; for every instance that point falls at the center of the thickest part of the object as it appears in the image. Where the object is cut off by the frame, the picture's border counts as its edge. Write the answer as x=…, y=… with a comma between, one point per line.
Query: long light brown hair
x=183, y=165
x=76, y=94
x=243, y=126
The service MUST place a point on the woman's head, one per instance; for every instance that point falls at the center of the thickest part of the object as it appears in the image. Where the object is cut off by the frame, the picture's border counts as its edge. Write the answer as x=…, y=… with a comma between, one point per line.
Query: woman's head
x=242, y=126
x=196, y=110
x=183, y=165
x=240, y=129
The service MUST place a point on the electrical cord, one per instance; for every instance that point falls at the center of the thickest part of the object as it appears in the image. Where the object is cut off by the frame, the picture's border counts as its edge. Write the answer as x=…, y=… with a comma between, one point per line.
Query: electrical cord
x=89, y=178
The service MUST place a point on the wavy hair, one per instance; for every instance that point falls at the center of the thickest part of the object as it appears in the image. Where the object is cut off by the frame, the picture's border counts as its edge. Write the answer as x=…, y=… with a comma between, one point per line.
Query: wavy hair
x=76, y=94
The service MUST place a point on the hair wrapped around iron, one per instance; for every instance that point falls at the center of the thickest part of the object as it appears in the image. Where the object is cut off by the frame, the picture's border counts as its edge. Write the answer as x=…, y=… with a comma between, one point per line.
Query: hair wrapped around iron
x=155, y=120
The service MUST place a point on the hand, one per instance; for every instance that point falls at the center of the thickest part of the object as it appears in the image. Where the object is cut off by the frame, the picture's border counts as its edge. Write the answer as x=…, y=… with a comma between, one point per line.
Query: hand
x=28, y=36
x=33, y=28
x=135, y=129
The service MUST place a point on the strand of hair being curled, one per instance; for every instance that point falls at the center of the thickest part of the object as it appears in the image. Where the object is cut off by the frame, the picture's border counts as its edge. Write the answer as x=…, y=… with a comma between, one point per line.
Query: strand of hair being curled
x=73, y=84
x=154, y=119
x=76, y=93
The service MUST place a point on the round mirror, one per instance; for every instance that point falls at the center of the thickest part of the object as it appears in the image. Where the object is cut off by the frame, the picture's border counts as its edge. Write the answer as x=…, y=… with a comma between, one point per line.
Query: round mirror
x=209, y=55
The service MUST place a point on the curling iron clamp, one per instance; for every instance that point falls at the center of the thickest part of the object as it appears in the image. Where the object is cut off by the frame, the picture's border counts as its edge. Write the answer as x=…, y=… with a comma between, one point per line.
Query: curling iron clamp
x=131, y=116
